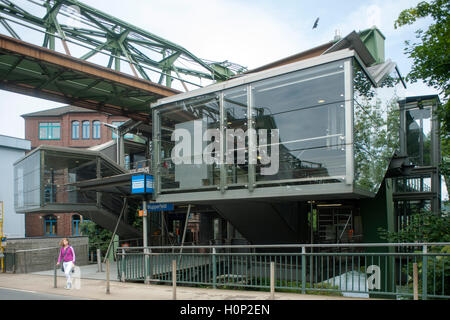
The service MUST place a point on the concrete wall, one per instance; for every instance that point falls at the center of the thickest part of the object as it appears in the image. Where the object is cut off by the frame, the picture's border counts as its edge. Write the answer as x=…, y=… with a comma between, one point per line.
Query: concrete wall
x=40, y=254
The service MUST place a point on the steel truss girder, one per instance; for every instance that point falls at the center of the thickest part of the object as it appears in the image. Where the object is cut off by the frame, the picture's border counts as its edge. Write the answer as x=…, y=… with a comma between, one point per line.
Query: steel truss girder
x=115, y=38
x=40, y=72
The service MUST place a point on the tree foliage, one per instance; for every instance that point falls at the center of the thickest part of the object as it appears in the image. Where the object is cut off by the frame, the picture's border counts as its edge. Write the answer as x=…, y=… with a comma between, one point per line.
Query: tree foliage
x=422, y=227
x=99, y=238
x=431, y=54
x=426, y=227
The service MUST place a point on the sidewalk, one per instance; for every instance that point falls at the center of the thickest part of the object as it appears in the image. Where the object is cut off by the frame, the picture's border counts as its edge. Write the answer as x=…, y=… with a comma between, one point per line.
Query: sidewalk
x=96, y=289
x=88, y=272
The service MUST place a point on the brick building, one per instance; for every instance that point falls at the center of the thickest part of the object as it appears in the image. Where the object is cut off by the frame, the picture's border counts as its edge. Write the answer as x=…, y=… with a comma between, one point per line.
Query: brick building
x=67, y=126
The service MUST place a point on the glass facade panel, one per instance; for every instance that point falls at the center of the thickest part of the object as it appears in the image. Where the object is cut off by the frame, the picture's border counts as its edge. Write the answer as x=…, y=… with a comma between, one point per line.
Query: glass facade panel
x=376, y=127
x=117, y=124
x=27, y=187
x=235, y=119
x=185, y=128
x=297, y=132
x=62, y=168
x=59, y=168
x=308, y=109
x=297, y=127
x=418, y=135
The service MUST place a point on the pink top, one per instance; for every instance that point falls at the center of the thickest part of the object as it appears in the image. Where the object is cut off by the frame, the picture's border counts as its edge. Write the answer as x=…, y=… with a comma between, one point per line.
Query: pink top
x=70, y=255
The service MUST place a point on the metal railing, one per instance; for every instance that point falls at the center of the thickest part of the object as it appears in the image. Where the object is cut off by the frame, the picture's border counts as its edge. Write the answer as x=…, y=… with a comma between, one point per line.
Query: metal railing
x=413, y=184
x=139, y=166
x=360, y=270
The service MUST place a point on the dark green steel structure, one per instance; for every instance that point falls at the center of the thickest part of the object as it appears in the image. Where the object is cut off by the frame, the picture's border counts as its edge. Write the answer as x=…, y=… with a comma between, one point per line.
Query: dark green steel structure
x=82, y=28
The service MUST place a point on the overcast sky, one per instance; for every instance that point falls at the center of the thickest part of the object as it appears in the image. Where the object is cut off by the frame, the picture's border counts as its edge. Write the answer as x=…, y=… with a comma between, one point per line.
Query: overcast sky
x=250, y=33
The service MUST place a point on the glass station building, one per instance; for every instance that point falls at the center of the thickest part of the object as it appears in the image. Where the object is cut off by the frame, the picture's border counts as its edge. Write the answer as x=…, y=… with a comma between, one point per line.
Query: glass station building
x=303, y=152
x=336, y=123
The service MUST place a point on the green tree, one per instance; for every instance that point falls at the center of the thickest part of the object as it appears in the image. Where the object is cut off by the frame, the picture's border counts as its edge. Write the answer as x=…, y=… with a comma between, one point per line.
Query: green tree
x=431, y=61
x=422, y=227
x=99, y=238
x=427, y=227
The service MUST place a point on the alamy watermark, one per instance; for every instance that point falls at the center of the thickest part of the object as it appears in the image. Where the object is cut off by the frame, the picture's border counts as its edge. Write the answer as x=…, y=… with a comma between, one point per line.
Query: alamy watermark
x=240, y=147
x=374, y=280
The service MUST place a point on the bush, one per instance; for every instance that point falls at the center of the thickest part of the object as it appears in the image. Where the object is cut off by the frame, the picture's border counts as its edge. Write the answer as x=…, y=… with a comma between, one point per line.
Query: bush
x=431, y=228
x=99, y=238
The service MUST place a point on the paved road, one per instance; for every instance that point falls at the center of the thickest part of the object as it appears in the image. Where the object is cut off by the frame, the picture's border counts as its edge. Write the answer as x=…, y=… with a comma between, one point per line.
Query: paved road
x=14, y=294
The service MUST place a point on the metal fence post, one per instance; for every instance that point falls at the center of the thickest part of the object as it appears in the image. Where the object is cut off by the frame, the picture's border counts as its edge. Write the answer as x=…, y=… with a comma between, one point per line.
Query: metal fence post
x=214, y=265
x=146, y=266
x=415, y=282
x=122, y=278
x=107, y=276
x=99, y=261
x=54, y=276
x=303, y=270
x=272, y=280
x=425, y=273
x=174, y=279
x=14, y=261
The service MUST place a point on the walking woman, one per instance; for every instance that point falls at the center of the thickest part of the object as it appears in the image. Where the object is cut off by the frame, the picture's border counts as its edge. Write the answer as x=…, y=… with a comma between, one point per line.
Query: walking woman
x=67, y=257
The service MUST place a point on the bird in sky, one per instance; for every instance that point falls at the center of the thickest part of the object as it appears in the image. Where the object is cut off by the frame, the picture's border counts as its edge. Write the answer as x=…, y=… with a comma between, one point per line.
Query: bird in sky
x=316, y=23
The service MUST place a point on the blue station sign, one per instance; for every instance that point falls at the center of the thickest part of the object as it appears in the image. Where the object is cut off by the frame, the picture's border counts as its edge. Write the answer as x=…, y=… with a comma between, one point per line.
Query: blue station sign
x=157, y=207
x=142, y=184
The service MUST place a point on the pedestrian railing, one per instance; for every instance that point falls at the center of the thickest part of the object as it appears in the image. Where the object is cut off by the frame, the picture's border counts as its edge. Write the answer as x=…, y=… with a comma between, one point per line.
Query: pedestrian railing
x=359, y=270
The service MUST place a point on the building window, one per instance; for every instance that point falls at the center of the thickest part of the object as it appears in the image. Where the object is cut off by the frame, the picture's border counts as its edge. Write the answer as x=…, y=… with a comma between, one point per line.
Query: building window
x=117, y=124
x=96, y=129
x=76, y=219
x=49, y=131
x=86, y=129
x=50, y=225
x=75, y=130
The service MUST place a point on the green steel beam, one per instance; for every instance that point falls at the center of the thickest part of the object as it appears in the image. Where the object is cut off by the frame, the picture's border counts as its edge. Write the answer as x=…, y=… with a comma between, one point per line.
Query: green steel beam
x=118, y=40
x=8, y=28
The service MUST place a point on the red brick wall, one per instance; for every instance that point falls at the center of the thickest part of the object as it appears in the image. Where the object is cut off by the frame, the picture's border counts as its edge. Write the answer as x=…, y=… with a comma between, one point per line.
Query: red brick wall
x=34, y=223
x=32, y=130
